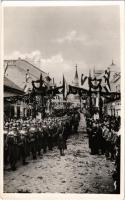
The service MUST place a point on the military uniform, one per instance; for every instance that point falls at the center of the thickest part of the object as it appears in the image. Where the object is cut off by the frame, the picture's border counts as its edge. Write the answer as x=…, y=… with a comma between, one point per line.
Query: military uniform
x=6, y=130
x=61, y=143
x=55, y=134
x=65, y=134
x=32, y=132
x=76, y=122
x=45, y=138
x=12, y=148
x=22, y=145
x=94, y=145
x=89, y=131
x=50, y=137
x=39, y=140
x=28, y=150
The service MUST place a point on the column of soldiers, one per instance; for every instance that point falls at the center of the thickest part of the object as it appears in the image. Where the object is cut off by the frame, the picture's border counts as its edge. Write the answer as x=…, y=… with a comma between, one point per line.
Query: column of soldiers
x=104, y=138
x=32, y=138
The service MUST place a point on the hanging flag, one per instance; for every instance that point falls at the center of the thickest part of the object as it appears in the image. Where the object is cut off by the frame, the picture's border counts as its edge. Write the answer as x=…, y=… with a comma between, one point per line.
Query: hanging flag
x=95, y=83
x=48, y=78
x=106, y=87
x=83, y=79
x=107, y=82
x=65, y=88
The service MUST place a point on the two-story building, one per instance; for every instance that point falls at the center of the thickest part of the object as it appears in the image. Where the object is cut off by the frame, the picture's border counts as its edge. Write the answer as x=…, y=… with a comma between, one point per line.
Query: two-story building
x=18, y=77
x=112, y=107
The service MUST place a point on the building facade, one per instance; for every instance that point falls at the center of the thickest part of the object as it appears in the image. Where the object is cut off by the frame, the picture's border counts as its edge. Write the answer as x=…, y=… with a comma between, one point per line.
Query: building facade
x=22, y=73
x=113, y=107
x=18, y=77
x=11, y=91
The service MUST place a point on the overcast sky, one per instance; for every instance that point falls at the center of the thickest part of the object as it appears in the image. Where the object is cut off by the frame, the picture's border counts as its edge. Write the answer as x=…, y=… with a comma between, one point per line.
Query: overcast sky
x=58, y=38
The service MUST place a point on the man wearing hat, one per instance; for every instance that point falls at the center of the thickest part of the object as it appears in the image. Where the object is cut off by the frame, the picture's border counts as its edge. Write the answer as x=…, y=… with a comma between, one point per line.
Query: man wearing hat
x=94, y=147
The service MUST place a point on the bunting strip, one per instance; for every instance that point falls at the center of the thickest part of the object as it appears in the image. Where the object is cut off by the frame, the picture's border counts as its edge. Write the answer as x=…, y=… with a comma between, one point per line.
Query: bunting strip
x=83, y=79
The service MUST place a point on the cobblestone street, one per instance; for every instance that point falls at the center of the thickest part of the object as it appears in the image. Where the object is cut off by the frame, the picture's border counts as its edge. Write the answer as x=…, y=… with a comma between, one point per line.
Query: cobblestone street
x=76, y=172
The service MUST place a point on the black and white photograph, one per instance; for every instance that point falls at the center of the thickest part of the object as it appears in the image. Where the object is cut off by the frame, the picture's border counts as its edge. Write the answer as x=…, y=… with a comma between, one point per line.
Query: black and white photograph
x=62, y=99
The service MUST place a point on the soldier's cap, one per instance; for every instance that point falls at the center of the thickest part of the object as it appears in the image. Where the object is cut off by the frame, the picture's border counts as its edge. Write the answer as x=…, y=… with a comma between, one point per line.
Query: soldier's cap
x=23, y=125
x=6, y=126
x=11, y=133
x=23, y=133
x=14, y=127
x=27, y=123
x=5, y=132
x=104, y=125
x=14, y=124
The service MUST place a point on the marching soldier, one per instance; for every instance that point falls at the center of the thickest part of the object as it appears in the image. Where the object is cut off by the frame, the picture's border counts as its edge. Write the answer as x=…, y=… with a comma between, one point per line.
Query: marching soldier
x=22, y=144
x=101, y=139
x=61, y=144
x=50, y=137
x=39, y=139
x=55, y=134
x=45, y=138
x=12, y=147
x=98, y=137
x=32, y=132
x=89, y=131
x=76, y=121
x=94, y=146
x=27, y=136
x=65, y=133
x=6, y=130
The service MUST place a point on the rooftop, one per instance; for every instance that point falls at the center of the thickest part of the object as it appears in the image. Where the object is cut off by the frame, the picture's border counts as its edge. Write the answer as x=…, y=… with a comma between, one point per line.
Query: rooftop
x=11, y=84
